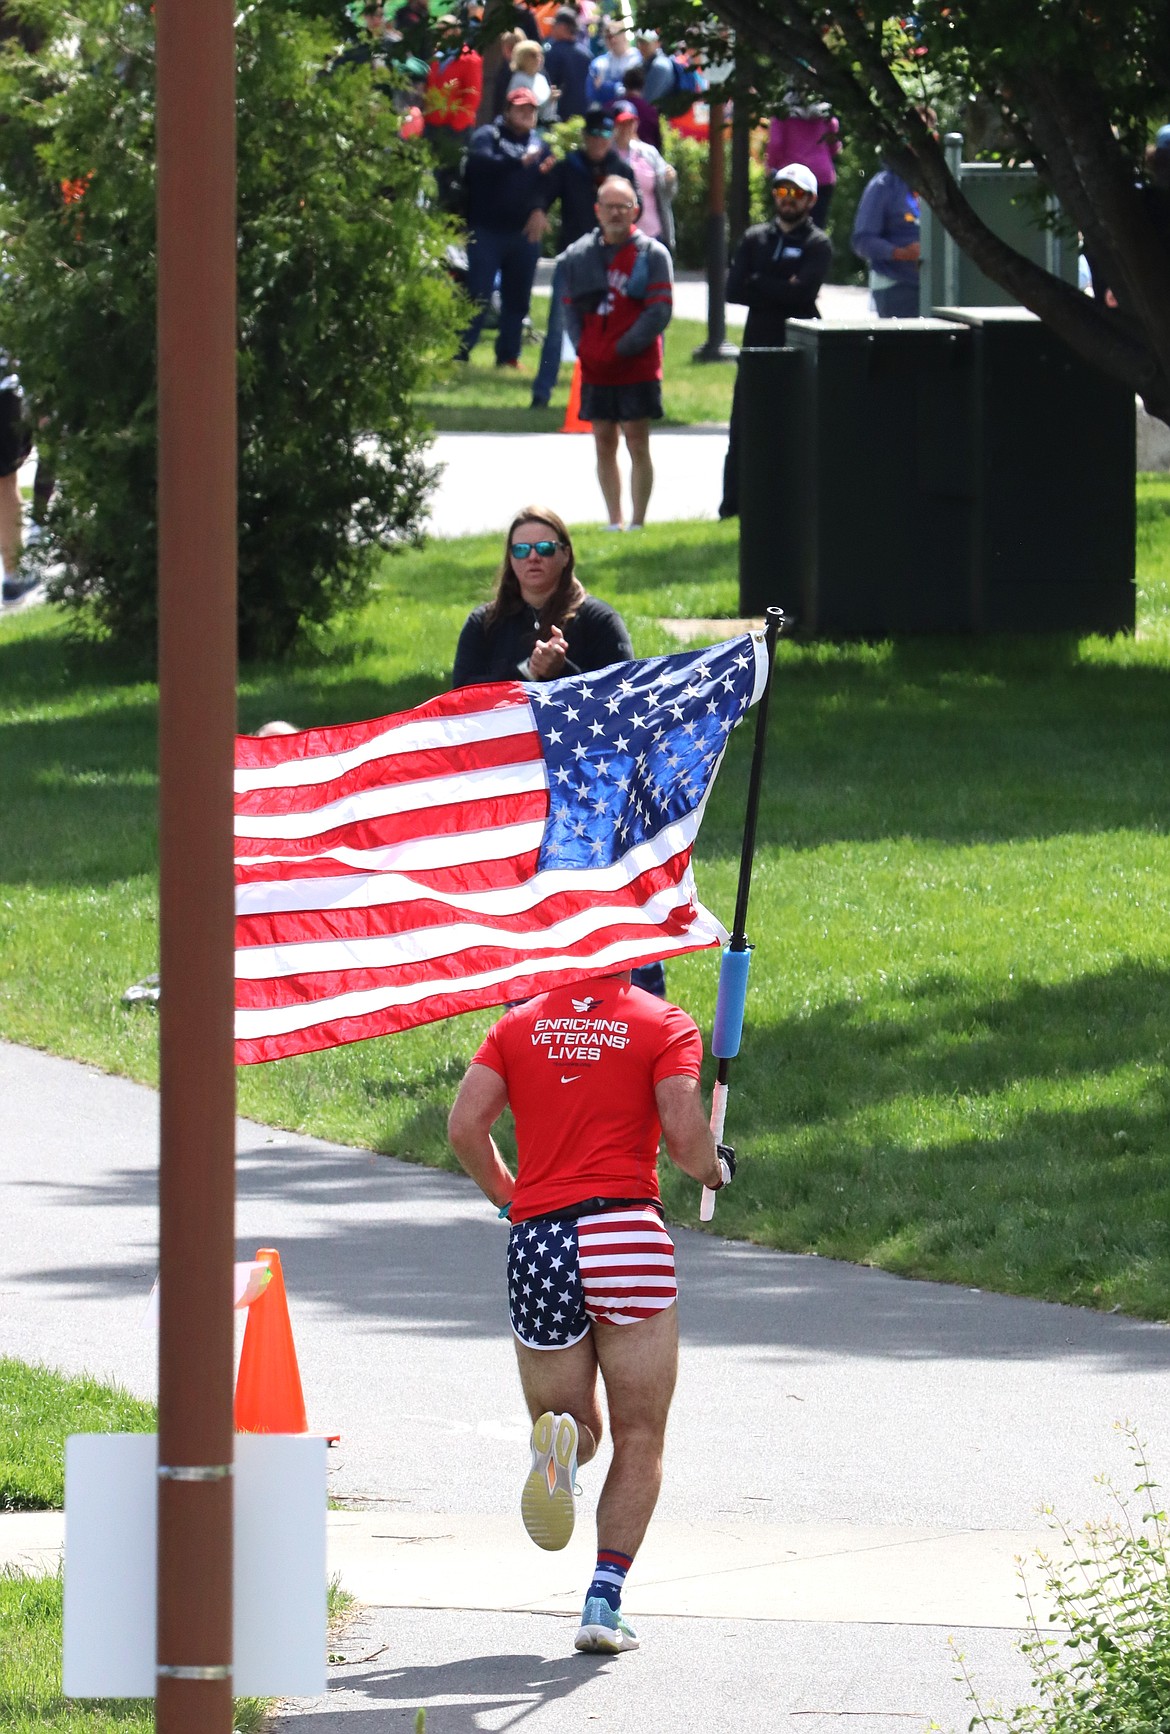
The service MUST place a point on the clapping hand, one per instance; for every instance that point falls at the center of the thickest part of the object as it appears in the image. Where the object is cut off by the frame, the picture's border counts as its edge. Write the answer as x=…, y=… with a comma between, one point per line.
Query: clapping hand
x=548, y=655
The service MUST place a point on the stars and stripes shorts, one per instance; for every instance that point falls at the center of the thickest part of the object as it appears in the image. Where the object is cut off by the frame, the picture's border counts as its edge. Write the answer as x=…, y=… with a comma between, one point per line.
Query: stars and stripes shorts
x=565, y=1271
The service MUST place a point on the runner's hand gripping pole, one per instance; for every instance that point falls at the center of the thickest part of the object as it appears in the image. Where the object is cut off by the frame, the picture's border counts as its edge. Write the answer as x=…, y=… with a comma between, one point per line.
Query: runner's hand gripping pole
x=733, y=971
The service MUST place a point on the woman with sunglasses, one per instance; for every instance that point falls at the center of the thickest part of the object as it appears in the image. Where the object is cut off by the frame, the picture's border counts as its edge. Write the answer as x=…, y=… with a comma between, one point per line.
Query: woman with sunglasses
x=541, y=622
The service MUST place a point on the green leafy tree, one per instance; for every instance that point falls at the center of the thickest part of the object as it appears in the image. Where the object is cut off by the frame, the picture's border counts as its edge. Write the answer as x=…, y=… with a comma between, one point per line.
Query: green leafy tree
x=1075, y=90
x=345, y=307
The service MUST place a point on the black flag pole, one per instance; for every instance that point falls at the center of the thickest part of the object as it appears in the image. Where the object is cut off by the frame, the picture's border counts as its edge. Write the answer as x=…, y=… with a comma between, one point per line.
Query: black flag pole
x=733, y=972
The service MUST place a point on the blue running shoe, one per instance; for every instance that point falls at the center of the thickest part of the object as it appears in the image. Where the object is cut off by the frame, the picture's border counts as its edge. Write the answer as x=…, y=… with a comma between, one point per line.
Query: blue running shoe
x=604, y=1629
x=546, y=1504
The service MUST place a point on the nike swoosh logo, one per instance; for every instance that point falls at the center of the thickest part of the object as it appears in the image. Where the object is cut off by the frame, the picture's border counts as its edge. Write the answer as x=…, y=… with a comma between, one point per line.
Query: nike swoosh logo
x=575, y=1079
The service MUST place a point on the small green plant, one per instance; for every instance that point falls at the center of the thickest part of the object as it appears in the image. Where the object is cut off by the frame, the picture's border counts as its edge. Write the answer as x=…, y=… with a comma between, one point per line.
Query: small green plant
x=1104, y=1667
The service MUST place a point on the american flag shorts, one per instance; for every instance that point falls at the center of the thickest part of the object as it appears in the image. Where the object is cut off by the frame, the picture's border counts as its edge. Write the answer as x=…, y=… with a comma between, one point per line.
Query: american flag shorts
x=564, y=1271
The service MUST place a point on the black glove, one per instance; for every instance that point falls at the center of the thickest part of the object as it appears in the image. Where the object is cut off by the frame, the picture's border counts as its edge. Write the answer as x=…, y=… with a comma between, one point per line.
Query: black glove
x=726, y=1157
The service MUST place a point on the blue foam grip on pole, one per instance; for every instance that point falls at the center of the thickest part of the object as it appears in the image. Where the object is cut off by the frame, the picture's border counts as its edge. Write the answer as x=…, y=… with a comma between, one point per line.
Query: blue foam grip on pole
x=733, y=980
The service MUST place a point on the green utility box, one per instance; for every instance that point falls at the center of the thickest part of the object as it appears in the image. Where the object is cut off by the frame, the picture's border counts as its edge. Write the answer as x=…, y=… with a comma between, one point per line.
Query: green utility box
x=965, y=473
x=855, y=489
x=1012, y=204
x=1055, y=442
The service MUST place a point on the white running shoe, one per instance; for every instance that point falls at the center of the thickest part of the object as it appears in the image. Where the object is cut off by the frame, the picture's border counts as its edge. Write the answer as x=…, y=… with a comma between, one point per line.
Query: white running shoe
x=546, y=1504
x=604, y=1629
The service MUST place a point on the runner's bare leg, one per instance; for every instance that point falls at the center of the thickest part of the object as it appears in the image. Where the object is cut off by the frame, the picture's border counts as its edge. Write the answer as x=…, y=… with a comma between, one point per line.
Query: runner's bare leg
x=639, y=1365
x=605, y=440
x=565, y=1381
x=641, y=468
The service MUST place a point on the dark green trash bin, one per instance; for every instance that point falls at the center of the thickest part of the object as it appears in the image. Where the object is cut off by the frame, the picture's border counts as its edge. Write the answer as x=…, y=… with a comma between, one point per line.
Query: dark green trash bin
x=1054, y=481
x=856, y=474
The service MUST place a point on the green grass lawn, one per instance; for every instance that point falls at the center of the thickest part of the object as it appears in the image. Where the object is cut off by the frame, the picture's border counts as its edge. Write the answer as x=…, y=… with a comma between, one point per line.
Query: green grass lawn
x=483, y=398
x=38, y=1408
x=955, y=1061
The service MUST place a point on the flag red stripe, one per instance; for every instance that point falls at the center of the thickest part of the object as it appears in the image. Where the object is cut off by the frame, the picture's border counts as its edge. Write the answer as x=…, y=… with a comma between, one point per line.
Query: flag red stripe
x=430, y=821
x=432, y=1008
x=294, y=926
x=283, y=990
x=406, y=768
x=467, y=877
x=254, y=753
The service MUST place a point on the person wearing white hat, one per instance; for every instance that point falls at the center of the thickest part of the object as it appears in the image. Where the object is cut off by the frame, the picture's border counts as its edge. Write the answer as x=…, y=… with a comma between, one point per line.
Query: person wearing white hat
x=777, y=274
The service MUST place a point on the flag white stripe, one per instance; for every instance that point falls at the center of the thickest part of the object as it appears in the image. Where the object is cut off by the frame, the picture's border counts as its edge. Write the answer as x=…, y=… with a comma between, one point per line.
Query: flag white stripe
x=251, y=1024
x=431, y=734
x=417, y=945
x=360, y=891
x=419, y=855
x=643, y=1215
x=623, y=1261
x=450, y=790
x=623, y=1240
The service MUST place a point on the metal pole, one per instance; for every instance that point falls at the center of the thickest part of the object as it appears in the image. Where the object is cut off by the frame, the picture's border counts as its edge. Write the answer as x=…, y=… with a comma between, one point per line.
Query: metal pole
x=197, y=669
x=774, y=619
x=953, y=152
x=716, y=347
x=733, y=972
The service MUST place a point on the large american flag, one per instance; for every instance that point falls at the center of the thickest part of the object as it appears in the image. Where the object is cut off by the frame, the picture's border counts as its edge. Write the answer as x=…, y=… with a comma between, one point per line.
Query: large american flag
x=486, y=846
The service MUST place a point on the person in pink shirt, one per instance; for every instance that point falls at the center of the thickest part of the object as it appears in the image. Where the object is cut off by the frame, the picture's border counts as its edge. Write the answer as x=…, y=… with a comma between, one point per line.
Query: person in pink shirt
x=812, y=136
x=654, y=178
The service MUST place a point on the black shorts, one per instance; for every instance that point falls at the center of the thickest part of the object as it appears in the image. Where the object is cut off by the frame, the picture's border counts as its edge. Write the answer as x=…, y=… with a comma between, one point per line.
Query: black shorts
x=641, y=401
x=15, y=433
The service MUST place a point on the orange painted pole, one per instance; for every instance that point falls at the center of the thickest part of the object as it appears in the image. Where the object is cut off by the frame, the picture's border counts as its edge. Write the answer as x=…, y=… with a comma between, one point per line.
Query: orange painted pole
x=197, y=672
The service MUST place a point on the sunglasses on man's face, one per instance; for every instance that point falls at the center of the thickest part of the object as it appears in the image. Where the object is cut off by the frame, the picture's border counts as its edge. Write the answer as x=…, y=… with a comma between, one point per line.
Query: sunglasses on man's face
x=546, y=550
x=789, y=192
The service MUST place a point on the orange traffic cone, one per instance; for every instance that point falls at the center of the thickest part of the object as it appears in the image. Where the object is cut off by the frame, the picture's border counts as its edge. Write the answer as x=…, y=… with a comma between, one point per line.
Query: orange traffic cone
x=573, y=422
x=269, y=1398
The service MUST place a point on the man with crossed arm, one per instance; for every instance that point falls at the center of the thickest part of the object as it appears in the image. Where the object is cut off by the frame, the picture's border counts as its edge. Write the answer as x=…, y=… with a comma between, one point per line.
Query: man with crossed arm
x=595, y=1074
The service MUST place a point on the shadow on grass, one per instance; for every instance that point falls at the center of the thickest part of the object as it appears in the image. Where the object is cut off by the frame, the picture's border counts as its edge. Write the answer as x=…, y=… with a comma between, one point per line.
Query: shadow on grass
x=979, y=1181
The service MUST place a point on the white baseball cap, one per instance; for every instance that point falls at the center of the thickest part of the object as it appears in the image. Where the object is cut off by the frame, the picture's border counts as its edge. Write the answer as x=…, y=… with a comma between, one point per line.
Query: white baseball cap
x=799, y=176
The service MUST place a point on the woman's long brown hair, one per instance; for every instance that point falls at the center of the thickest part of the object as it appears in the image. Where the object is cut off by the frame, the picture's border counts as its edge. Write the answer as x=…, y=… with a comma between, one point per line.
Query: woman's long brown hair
x=565, y=600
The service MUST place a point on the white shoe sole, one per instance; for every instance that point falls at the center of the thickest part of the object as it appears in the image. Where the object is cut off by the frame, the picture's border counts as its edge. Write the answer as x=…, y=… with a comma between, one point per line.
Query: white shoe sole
x=604, y=1640
x=546, y=1504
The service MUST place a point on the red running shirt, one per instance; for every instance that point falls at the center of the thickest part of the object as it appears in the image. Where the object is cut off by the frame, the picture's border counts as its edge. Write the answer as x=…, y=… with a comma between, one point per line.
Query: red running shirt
x=600, y=362
x=580, y=1065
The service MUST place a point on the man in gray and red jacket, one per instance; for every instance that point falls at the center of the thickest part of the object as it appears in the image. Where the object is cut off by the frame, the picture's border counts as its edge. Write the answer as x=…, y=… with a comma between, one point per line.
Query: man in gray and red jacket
x=617, y=290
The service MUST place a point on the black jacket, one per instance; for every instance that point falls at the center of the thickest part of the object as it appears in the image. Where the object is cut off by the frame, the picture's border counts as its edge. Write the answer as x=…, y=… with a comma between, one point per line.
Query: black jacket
x=596, y=636
x=777, y=276
x=574, y=181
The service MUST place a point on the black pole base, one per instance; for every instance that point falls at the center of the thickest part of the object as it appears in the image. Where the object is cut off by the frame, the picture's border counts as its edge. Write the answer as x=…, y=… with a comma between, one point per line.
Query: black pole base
x=716, y=352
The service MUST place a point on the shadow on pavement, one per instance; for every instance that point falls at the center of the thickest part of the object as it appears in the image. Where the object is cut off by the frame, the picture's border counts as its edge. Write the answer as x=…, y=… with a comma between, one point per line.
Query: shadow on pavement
x=403, y=1248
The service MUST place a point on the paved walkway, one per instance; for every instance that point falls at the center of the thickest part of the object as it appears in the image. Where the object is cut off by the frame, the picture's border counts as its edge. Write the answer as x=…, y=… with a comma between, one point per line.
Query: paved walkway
x=477, y=491
x=853, y=1460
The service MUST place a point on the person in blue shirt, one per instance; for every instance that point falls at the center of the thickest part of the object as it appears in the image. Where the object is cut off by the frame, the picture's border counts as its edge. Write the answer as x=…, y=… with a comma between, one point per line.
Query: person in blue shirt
x=657, y=69
x=886, y=234
x=566, y=64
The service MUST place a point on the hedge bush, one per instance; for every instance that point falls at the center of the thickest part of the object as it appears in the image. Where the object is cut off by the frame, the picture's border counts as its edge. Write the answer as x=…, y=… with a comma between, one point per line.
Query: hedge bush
x=345, y=307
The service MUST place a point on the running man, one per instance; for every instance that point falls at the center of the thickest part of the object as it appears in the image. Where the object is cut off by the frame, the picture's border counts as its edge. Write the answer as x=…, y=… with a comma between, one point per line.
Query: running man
x=594, y=1074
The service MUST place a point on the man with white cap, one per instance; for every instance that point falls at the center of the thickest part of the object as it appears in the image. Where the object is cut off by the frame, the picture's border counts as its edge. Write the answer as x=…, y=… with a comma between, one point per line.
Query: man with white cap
x=777, y=274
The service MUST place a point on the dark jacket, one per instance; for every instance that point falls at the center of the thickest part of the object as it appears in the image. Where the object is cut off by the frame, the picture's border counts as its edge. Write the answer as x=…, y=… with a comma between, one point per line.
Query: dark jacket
x=596, y=636
x=502, y=177
x=574, y=181
x=566, y=64
x=777, y=276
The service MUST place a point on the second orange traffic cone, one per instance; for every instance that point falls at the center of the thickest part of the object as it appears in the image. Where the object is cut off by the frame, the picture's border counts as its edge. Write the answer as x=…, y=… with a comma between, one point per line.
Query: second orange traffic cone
x=572, y=422
x=269, y=1398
